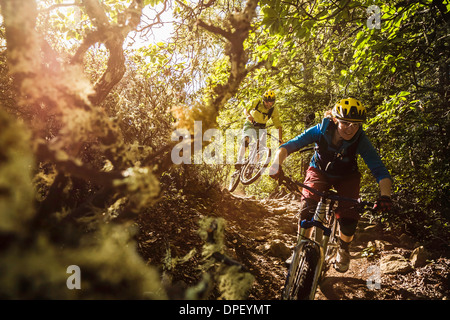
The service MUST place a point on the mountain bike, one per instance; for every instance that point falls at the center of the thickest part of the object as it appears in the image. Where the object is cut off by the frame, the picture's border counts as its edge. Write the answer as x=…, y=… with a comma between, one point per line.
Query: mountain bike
x=255, y=164
x=313, y=257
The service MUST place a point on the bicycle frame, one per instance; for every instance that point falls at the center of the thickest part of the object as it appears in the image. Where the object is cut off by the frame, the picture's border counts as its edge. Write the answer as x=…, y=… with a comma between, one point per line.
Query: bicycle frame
x=254, y=149
x=322, y=236
x=261, y=142
x=322, y=232
x=258, y=160
x=255, y=146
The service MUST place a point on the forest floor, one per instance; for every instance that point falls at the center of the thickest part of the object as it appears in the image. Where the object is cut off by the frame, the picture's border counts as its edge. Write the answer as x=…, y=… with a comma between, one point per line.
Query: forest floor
x=260, y=234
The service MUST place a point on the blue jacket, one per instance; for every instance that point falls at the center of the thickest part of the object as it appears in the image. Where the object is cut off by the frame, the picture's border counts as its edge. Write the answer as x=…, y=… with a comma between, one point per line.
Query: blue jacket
x=338, y=162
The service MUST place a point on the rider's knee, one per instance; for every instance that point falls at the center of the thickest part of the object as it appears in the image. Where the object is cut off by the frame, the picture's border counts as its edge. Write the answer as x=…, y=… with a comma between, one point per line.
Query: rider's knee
x=347, y=226
x=307, y=209
x=246, y=141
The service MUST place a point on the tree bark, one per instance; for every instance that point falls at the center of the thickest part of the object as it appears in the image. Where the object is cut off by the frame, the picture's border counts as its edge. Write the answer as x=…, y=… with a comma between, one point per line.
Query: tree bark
x=241, y=23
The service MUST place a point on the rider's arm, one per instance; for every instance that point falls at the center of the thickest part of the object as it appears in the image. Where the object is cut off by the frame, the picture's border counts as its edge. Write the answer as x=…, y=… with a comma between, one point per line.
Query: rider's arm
x=247, y=110
x=248, y=115
x=384, y=202
x=280, y=135
x=278, y=160
x=385, y=187
x=277, y=123
x=307, y=137
x=375, y=164
x=379, y=171
x=302, y=140
x=372, y=159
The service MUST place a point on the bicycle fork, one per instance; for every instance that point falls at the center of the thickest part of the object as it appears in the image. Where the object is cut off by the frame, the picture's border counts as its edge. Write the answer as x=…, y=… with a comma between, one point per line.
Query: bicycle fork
x=321, y=237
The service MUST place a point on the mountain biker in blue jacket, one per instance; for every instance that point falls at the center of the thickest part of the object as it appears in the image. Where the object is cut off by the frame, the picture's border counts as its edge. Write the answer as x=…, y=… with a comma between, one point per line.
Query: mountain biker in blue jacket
x=339, y=139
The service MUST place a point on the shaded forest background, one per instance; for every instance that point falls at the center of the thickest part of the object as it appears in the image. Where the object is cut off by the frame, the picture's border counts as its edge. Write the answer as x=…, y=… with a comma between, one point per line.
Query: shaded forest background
x=88, y=110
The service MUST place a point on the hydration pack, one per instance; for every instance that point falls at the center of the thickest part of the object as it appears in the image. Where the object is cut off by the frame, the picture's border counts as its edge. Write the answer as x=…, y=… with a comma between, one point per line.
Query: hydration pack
x=341, y=162
x=267, y=114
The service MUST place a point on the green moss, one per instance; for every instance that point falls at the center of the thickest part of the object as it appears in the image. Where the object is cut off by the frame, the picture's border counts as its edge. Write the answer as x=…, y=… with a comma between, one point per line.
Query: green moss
x=16, y=165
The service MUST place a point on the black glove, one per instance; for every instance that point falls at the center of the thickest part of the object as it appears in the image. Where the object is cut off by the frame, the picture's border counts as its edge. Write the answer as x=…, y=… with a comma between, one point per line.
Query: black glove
x=383, y=204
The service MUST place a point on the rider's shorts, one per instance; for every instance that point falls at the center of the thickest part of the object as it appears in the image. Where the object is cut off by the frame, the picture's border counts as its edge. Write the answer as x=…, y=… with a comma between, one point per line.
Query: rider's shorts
x=346, y=186
x=252, y=131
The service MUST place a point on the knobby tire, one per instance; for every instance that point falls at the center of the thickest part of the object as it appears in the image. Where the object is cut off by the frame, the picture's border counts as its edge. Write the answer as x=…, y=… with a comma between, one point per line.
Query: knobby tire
x=252, y=171
x=332, y=247
x=299, y=281
x=234, y=180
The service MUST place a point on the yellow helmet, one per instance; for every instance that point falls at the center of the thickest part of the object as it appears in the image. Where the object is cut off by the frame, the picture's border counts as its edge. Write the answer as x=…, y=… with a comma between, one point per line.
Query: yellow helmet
x=269, y=95
x=350, y=110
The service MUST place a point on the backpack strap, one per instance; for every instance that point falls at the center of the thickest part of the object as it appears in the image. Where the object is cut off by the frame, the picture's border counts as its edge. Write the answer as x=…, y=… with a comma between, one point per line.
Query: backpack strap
x=326, y=159
x=268, y=113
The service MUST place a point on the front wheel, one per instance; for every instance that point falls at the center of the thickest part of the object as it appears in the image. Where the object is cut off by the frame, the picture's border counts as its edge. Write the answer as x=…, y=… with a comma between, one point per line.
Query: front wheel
x=300, y=278
x=255, y=167
x=234, y=180
x=332, y=247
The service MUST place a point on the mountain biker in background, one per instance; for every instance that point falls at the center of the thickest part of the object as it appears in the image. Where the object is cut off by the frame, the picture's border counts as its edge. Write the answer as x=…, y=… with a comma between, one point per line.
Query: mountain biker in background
x=257, y=114
x=339, y=139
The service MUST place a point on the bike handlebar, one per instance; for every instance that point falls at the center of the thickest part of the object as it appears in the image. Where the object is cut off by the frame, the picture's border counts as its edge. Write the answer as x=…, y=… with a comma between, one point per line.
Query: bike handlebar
x=274, y=137
x=290, y=184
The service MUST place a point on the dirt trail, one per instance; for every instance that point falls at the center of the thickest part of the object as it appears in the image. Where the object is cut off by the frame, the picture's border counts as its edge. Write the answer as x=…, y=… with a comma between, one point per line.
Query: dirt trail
x=260, y=235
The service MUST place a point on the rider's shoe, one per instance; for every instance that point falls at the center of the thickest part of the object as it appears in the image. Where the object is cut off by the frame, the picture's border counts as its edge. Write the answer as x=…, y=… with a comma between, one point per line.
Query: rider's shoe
x=342, y=262
x=238, y=166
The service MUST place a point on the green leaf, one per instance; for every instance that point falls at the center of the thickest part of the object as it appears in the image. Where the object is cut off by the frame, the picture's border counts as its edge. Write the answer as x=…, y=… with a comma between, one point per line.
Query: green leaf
x=270, y=12
x=389, y=58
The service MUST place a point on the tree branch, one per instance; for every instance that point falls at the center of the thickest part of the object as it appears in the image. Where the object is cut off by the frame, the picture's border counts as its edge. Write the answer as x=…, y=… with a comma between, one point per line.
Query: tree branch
x=96, y=14
x=73, y=168
x=227, y=35
x=241, y=22
x=113, y=37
